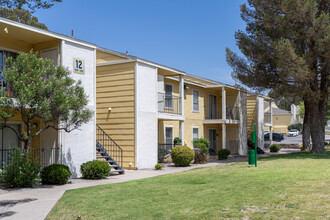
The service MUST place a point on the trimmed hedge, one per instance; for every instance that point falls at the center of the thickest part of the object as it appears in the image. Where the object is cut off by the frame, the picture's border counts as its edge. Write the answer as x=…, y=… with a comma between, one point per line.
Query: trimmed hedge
x=223, y=154
x=182, y=155
x=57, y=174
x=95, y=169
x=275, y=148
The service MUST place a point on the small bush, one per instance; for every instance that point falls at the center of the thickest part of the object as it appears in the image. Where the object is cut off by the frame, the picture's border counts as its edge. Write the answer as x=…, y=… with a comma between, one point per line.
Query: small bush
x=275, y=148
x=58, y=174
x=223, y=154
x=95, y=169
x=182, y=155
x=204, y=150
x=159, y=166
x=22, y=170
x=298, y=126
x=326, y=143
x=203, y=141
x=177, y=141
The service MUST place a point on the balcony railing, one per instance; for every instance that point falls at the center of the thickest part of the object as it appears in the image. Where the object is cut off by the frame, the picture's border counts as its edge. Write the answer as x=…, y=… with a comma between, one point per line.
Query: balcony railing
x=232, y=112
x=45, y=156
x=164, y=151
x=169, y=104
x=213, y=111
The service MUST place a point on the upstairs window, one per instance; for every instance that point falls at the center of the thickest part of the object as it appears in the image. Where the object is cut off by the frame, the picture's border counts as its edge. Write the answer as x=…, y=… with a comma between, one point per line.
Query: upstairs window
x=168, y=96
x=195, y=94
x=3, y=56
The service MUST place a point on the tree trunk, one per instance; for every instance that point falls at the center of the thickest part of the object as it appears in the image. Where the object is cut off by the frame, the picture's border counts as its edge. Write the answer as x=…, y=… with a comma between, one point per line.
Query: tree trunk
x=317, y=122
x=27, y=142
x=306, y=130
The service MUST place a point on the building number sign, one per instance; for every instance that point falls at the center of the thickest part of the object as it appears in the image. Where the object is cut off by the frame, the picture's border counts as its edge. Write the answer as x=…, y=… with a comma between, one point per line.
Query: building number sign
x=78, y=66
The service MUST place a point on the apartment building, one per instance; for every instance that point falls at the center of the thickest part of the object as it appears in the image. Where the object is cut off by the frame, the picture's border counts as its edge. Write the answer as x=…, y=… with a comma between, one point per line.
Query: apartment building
x=144, y=106
x=72, y=148
x=140, y=106
x=258, y=113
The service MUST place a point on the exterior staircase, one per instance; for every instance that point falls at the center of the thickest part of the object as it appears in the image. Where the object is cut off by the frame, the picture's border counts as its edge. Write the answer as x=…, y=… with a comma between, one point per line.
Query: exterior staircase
x=109, y=150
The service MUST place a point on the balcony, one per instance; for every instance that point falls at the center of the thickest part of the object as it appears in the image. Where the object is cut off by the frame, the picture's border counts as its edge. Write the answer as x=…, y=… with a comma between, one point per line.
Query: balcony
x=214, y=112
x=169, y=104
x=232, y=113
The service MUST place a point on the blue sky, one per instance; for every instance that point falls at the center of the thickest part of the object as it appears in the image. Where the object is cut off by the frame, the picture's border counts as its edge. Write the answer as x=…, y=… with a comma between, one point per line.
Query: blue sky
x=189, y=35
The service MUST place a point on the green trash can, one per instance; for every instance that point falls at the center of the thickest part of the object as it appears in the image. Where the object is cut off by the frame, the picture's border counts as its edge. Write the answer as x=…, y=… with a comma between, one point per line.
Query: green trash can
x=252, y=157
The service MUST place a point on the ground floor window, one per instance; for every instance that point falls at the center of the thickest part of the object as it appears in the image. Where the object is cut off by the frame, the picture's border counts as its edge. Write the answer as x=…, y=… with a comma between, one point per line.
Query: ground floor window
x=169, y=135
x=8, y=138
x=195, y=133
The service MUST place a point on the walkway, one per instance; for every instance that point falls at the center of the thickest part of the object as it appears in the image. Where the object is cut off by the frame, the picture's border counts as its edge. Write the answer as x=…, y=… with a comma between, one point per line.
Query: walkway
x=36, y=203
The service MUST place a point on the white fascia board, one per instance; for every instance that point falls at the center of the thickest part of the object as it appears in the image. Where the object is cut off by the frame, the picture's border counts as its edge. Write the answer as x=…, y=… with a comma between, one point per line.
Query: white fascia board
x=160, y=66
x=115, y=62
x=47, y=33
x=185, y=81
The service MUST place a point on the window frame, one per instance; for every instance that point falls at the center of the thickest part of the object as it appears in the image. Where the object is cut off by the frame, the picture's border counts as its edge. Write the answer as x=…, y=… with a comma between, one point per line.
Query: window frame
x=198, y=95
x=172, y=128
x=171, y=101
x=195, y=127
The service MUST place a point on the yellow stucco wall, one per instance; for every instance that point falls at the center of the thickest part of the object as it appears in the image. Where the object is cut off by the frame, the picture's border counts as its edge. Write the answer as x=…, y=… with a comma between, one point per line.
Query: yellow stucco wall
x=115, y=90
x=251, y=107
x=281, y=123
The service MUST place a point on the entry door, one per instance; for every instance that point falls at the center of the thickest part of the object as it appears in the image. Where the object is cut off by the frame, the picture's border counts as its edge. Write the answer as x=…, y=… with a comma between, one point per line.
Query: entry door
x=212, y=107
x=213, y=141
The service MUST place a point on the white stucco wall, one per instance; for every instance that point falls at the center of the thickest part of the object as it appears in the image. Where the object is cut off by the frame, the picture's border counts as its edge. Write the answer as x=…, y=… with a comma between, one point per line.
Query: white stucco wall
x=146, y=116
x=260, y=126
x=78, y=146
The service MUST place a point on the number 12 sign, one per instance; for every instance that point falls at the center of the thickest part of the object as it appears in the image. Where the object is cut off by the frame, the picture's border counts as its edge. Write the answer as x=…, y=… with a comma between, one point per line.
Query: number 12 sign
x=78, y=66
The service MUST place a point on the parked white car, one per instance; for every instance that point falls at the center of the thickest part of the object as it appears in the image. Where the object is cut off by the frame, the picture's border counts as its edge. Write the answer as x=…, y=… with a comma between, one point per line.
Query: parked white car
x=293, y=132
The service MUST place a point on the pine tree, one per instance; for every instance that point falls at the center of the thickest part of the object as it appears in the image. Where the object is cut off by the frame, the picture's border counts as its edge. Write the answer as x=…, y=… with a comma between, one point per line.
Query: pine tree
x=286, y=47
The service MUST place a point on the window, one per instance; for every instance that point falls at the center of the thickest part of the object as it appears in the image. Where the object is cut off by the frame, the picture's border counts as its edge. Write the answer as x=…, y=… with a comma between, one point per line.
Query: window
x=168, y=96
x=3, y=56
x=195, y=94
x=195, y=133
x=168, y=135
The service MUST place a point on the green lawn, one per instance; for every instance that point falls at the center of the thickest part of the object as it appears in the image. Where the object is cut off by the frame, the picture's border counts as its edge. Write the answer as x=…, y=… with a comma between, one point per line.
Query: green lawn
x=327, y=132
x=295, y=186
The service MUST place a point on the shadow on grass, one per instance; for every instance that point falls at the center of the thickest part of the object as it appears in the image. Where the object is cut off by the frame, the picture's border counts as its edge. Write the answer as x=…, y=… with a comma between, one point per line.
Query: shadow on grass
x=298, y=155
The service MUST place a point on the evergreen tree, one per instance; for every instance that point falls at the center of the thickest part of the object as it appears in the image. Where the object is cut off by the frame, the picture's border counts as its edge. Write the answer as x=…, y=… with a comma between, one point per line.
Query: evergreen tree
x=286, y=46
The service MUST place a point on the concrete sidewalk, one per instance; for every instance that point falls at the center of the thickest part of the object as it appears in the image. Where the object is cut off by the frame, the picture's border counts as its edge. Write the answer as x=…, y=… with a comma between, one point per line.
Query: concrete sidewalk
x=36, y=203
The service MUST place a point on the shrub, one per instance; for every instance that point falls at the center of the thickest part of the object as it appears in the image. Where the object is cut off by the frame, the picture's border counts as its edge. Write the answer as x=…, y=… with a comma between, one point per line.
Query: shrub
x=58, y=174
x=326, y=143
x=159, y=166
x=223, y=154
x=275, y=147
x=203, y=148
x=182, y=155
x=177, y=141
x=203, y=141
x=298, y=126
x=22, y=170
x=95, y=169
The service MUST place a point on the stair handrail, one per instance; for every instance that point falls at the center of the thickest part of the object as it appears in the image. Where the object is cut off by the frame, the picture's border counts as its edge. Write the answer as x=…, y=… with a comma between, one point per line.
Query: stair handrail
x=121, y=150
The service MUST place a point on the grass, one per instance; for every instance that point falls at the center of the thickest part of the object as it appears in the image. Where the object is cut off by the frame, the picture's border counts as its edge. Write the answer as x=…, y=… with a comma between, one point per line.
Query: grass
x=295, y=186
x=327, y=132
